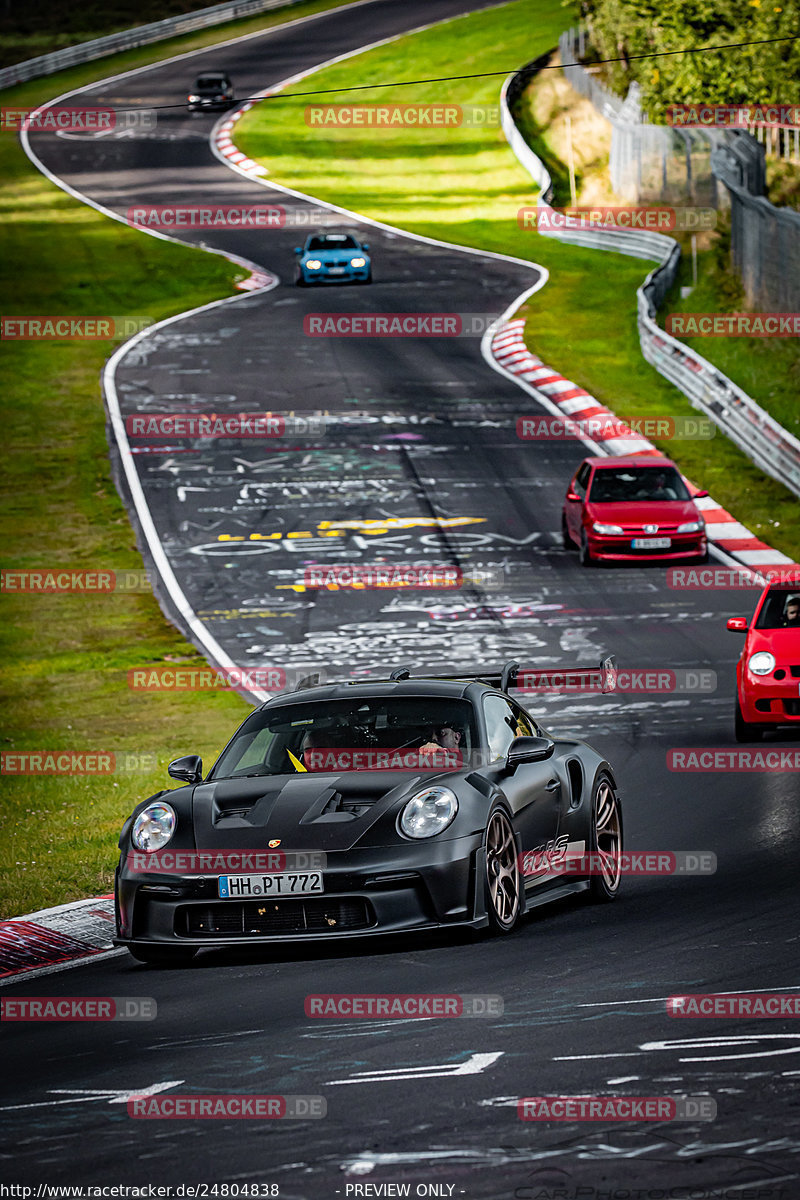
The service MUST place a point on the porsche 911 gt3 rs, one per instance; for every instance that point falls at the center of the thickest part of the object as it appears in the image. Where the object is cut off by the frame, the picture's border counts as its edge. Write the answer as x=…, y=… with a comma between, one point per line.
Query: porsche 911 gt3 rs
x=365, y=808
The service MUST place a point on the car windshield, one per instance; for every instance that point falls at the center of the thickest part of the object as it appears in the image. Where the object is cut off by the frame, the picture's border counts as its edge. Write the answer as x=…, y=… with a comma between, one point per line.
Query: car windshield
x=207, y=82
x=781, y=609
x=613, y=485
x=353, y=734
x=332, y=241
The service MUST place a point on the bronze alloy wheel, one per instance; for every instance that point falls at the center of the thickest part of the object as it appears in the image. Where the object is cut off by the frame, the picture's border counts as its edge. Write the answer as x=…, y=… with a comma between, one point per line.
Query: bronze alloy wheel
x=607, y=840
x=502, y=873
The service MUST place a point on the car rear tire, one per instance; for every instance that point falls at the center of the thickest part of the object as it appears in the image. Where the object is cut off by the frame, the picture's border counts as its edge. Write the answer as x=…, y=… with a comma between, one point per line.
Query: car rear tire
x=163, y=956
x=745, y=731
x=585, y=553
x=503, y=881
x=606, y=842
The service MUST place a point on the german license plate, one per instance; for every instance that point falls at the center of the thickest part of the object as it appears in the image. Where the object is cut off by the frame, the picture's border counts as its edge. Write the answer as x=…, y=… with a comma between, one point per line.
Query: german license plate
x=286, y=883
x=651, y=543
x=336, y=270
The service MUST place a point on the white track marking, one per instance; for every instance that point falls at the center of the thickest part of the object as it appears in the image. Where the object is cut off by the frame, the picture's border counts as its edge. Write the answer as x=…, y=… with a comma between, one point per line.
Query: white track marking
x=84, y=1095
x=474, y=1065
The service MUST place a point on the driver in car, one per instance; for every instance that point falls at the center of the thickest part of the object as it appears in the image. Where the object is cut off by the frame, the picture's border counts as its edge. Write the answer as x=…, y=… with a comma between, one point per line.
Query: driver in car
x=791, y=615
x=442, y=737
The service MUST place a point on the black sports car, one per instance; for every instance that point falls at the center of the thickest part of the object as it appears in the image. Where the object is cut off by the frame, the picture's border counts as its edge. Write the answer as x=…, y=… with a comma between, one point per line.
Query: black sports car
x=369, y=807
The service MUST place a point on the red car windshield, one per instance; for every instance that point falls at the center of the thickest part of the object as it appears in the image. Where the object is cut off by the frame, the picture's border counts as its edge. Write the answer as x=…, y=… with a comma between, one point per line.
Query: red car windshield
x=615, y=485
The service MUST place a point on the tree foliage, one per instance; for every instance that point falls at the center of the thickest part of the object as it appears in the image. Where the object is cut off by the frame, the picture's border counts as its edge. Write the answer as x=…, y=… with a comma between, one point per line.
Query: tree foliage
x=759, y=74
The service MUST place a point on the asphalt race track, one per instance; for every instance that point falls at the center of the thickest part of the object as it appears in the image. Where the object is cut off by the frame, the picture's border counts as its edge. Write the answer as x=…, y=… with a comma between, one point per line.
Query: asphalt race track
x=423, y=439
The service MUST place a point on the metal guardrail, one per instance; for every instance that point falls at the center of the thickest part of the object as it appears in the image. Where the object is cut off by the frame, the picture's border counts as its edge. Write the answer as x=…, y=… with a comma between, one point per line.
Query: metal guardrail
x=760, y=436
x=129, y=39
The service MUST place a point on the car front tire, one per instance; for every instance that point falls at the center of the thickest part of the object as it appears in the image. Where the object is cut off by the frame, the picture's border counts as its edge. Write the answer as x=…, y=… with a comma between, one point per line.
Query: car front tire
x=745, y=731
x=565, y=536
x=606, y=842
x=503, y=882
x=585, y=553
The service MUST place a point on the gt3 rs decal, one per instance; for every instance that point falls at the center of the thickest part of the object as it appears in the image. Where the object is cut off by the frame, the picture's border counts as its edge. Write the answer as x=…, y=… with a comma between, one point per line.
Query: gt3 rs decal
x=547, y=861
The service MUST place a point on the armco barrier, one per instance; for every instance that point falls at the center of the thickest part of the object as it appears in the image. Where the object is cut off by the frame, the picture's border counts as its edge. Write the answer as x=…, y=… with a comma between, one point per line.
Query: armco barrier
x=128, y=39
x=763, y=439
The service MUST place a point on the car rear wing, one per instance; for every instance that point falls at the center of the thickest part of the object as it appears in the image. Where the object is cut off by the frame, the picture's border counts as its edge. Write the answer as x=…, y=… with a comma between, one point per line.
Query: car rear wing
x=601, y=678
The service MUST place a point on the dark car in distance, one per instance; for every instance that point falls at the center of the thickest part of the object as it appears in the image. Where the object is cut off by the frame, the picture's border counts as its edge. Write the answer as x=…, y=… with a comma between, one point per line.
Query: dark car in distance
x=212, y=90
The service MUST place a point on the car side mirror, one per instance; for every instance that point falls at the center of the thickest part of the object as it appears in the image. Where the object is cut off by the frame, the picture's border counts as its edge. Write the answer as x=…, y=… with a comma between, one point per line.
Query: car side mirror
x=572, y=495
x=298, y=250
x=365, y=245
x=737, y=624
x=188, y=769
x=699, y=495
x=529, y=749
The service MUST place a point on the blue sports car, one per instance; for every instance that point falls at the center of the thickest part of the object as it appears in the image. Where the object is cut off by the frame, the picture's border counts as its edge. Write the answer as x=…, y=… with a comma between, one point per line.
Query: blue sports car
x=332, y=257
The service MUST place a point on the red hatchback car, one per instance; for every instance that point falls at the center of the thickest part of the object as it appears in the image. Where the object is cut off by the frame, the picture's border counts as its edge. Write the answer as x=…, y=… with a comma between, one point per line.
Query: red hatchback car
x=632, y=509
x=768, y=671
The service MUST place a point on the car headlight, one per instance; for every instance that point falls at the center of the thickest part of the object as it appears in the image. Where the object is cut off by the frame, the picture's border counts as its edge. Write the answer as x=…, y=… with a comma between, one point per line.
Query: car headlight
x=761, y=663
x=313, y=263
x=358, y=262
x=428, y=812
x=193, y=99
x=599, y=527
x=153, y=827
x=692, y=526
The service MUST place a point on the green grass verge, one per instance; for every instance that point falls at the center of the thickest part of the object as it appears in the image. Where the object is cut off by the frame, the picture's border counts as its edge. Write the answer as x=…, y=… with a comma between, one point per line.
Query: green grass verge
x=464, y=185
x=65, y=657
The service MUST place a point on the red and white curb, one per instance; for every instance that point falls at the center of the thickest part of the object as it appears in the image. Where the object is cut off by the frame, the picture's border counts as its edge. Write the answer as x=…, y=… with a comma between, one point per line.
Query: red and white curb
x=577, y=405
x=56, y=938
x=223, y=142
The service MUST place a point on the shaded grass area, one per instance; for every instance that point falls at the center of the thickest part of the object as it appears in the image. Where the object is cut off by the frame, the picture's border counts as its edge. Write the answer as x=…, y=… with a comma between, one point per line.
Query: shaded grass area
x=65, y=657
x=16, y=49
x=463, y=185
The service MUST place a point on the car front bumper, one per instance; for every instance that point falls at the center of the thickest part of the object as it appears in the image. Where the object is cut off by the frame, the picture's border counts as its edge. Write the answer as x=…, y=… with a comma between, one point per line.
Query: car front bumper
x=349, y=275
x=367, y=892
x=765, y=700
x=619, y=549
